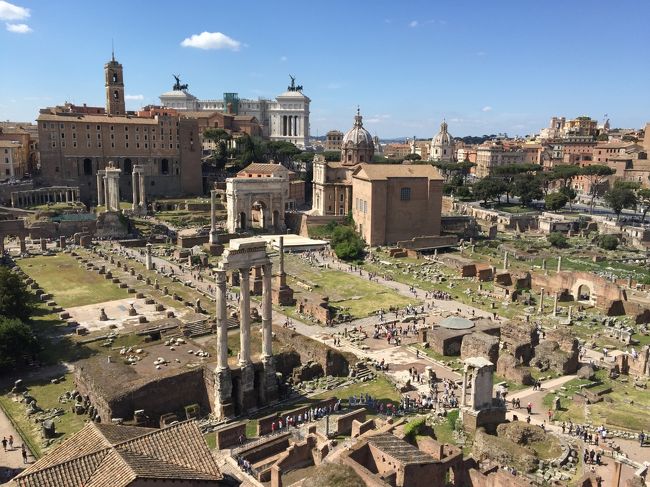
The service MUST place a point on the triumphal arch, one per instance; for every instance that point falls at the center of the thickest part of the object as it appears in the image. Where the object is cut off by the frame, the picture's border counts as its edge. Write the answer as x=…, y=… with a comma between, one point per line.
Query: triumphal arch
x=249, y=384
x=257, y=202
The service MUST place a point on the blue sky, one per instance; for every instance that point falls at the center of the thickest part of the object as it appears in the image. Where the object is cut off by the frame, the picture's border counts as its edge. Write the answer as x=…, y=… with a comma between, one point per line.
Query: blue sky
x=485, y=66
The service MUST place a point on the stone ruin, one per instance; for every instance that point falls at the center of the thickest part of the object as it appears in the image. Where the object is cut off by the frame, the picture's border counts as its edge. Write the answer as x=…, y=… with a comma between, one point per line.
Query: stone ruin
x=559, y=352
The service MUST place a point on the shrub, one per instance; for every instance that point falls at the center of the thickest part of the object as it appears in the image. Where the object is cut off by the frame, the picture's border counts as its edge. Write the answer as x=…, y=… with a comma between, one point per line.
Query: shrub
x=556, y=239
x=608, y=242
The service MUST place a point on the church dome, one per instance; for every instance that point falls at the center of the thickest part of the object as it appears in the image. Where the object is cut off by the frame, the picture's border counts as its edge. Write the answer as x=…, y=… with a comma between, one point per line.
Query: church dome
x=357, y=135
x=443, y=137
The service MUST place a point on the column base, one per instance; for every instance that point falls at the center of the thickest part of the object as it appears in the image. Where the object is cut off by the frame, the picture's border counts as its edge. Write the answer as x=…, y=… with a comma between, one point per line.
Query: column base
x=247, y=393
x=272, y=391
x=223, y=402
x=283, y=296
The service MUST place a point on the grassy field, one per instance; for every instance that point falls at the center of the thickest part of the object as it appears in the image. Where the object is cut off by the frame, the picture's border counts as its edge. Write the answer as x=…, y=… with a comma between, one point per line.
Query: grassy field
x=70, y=284
x=625, y=407
x=47, y=397
x=355, y=295
x=380, y=388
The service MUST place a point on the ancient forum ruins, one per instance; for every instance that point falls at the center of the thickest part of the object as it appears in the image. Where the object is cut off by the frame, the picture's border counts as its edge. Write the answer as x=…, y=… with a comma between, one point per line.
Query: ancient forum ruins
x=108, y=187
x=249, y=384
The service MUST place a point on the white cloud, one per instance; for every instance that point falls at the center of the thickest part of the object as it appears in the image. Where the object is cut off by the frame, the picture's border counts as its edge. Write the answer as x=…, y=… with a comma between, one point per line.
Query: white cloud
x=211, y=40
x=486, y=108
x=19, y=28
x=134, y=97
x=283, y=58
x=377, y=118
x=9, y=11
x=413, y=23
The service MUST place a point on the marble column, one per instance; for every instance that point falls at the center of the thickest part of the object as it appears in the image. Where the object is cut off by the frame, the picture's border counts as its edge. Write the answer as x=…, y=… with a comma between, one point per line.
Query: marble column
x=267, y=310
x=134, y=187
x=541, y=301
x=106, y=195
x=213, y=217
x=100, y=189
x=281, y=251
x=23, y=247
x=143, y=192
x=148, y=258
x=505, y=260
x=559, y=263
x=222, y=322
x=13, y=201
x=555, y=305
x=543, y=264
x=570, y=312
x=244, y=317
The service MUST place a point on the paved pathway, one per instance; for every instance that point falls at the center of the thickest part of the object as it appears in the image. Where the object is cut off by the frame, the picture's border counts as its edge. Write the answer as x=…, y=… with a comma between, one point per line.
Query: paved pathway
x=11, y=459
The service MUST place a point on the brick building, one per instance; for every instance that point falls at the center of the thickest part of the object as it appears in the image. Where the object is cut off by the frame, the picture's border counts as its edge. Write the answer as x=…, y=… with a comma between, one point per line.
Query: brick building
x=394, y=202
x=78, y=141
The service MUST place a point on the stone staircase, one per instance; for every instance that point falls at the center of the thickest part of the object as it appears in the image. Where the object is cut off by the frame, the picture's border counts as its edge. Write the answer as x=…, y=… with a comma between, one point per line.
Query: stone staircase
x=363, y=372
x=196, y=329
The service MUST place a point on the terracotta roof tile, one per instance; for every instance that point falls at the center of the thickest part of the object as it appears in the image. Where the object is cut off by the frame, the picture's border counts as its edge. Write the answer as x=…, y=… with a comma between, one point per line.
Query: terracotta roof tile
x=108, y=455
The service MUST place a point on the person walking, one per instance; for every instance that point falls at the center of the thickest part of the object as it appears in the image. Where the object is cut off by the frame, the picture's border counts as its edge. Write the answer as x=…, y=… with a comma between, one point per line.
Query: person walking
x=24, y=453
x=11, y=442
x=4, y=443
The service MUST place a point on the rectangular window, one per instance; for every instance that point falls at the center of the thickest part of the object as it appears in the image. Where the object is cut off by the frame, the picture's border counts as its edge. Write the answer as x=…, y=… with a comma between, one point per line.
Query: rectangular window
x=405, y=194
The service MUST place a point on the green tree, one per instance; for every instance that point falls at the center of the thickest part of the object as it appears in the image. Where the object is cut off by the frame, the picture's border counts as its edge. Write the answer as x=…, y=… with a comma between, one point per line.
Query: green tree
x=17, y=343
x=555, y=201
x=620, y=197
x=528, y=188
x=488, y=189
x=508, y=172
x=413, y=157
x=15, y=300
x=643, y=200
x=347, y=244
x=570, y=193
x=557, y=239
x=596, y=174
x=608, y=242
x=220, y=137
x=280, y=151
x=332, y=156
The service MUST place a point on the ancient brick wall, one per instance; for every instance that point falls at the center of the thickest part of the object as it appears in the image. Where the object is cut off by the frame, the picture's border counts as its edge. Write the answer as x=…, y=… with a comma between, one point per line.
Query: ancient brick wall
x=229, y=435
x=344, y=422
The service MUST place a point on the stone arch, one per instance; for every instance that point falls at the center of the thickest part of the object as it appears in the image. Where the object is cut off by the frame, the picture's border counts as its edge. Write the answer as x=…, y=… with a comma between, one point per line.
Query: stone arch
x=583, y=290
x=583, y=293
x=259, y=214
x=243, y=220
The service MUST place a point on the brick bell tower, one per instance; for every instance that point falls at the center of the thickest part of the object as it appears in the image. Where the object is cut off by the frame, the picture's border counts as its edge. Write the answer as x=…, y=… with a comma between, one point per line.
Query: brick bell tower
x=114, y=82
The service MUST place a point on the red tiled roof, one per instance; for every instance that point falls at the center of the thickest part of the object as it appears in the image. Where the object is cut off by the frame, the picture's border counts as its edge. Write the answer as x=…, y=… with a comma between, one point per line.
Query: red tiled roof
x=106, y=455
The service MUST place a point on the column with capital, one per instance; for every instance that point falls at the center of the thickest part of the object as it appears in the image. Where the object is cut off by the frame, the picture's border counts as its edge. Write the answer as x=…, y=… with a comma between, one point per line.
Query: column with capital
x=143, y=192
x=244, y=317
x=134, y=187
x=267, y=331
x=222, y=321
x=100, y=188
x=213, y=217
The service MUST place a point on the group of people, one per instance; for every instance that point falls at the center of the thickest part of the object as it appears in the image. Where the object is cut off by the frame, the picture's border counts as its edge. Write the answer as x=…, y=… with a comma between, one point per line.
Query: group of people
x=296, y=420
x=8, y=445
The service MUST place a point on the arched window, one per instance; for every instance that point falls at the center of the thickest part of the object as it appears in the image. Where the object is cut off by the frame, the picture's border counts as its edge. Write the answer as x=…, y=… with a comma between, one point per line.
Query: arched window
x=116, y=95
x=164, y=166
x=114, y=77
x=88, y=167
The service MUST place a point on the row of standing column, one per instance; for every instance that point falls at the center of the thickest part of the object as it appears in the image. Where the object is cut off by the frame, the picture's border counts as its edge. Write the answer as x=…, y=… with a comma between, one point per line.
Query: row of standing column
x=137, y=183
x=291, y=125
x=44, y=197
x=244, y=317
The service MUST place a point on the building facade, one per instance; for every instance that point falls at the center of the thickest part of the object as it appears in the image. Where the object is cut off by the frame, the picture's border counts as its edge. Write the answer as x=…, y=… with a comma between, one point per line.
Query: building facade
x=332, y=181
x=394, y=202
x=12, y=161
x=76, y=142
x=284, y=119
x=492, y=154
x=26, y=135
x=333, y=140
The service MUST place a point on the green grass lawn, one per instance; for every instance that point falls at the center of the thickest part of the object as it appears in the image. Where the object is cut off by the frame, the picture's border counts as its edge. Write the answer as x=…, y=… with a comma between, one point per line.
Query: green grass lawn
x=352, y=294
x=379, y=388
x=513, y=208
x=70, y=284
x=47, y=396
